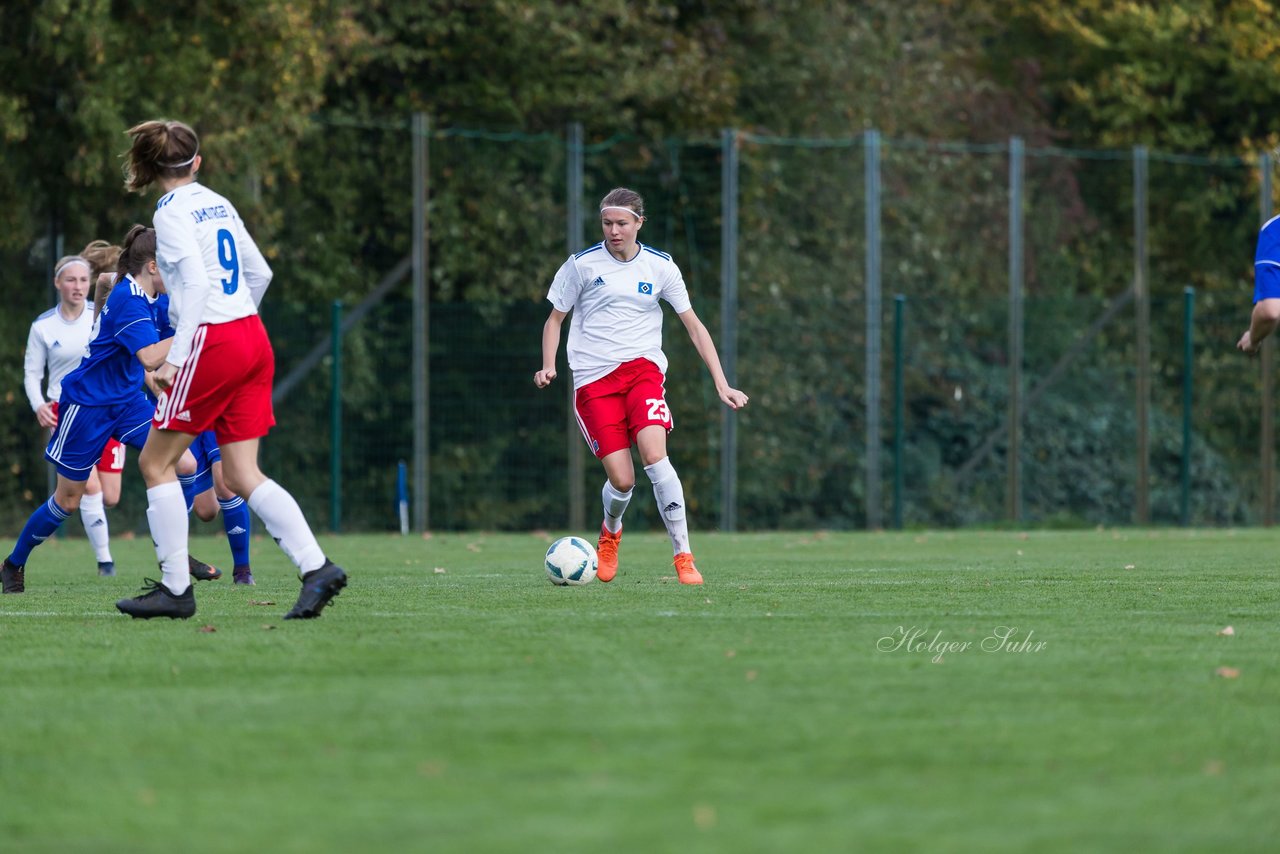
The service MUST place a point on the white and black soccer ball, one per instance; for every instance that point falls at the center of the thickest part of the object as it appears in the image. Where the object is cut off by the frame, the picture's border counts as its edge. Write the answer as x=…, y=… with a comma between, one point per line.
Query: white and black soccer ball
x=571, y=560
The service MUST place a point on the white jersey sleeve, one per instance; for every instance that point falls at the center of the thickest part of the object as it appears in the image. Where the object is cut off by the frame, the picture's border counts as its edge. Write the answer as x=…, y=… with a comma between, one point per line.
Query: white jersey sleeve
x=566, y=286
x=257, y=272
x=33, y=367
x=674, y=290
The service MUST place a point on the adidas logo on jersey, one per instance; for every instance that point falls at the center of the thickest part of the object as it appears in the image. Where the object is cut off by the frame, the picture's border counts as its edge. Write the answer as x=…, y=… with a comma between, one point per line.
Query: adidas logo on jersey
x=183, y=416
x=236, y=530
x=599, y=282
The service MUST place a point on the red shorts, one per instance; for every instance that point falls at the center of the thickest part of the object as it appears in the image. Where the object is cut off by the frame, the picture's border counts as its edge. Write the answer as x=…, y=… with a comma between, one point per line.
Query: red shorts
x=614, y=408
x=112, y=461
x=225, y=384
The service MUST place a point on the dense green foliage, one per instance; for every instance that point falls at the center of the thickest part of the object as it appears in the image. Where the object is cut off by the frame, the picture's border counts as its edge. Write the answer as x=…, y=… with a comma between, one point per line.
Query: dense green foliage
x=304, y=108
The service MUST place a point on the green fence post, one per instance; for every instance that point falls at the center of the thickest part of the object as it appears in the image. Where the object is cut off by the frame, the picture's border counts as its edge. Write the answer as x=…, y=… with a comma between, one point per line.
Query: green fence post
x=335, y=423
x=899, y=308
x=1188, y=354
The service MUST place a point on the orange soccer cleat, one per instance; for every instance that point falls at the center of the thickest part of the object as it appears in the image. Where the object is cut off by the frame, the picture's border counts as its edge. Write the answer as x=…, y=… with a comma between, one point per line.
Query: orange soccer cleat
x=685, y=570
x=607, y=554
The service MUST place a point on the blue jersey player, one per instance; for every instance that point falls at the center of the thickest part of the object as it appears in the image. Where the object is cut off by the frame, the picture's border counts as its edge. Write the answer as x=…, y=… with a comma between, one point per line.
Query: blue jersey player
x=1266, y=288
x=102, y=398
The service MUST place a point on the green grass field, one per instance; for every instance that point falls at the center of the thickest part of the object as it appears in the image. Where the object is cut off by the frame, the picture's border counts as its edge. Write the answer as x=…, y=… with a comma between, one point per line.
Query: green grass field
x=452, y=700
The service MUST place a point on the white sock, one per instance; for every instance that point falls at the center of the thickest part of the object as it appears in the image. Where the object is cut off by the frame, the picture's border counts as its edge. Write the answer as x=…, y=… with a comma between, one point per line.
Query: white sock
x=286, y=524
x=670, y=495
x=93, y=513
x=615, y=504
x=167, y=517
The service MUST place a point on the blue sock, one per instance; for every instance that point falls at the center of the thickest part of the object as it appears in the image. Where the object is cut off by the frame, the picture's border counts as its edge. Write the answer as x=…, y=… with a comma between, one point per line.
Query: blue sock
x=238, y=524
x=188, y=482
x=39, y=527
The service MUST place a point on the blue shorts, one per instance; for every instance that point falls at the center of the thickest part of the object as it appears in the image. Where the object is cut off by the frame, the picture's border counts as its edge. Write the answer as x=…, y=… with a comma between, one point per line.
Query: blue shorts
x=83, y=431
x=205, y=449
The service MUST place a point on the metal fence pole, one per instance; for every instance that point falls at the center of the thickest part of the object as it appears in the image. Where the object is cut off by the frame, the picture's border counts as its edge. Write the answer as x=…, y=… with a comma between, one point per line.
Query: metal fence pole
x=729, y=324
x=899, y=407
x=335, y=422
x=1013, y=487
x=871, y=172
x=1188, y=362
x=1142, y=302
x=421, y=127
x=1267, y=449
x=574, y=239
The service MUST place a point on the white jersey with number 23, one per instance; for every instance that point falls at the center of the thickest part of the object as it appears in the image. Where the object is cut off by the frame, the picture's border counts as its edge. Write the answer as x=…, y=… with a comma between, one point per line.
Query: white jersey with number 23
x=616, y=316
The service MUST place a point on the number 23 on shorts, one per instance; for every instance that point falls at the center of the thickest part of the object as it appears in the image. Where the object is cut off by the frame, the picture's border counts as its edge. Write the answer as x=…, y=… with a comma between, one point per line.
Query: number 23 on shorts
x=658, y=410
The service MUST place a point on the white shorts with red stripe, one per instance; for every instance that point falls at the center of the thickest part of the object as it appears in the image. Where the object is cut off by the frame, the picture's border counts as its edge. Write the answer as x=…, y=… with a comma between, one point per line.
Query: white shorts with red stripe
x=224, y=385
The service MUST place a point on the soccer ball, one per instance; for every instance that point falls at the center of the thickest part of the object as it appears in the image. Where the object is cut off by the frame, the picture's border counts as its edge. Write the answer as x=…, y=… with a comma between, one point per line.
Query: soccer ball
x=571, y=560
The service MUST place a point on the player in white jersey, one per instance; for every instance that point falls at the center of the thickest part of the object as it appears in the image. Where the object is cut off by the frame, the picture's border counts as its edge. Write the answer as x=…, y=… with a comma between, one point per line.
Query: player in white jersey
x=217, y=374
x=57, y=342
x=619, y=369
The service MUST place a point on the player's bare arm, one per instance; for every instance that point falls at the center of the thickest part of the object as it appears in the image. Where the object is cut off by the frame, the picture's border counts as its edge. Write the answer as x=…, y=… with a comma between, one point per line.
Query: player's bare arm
x=550, y=346
x=1266, y=315
x=706, y=348
x=153, y=356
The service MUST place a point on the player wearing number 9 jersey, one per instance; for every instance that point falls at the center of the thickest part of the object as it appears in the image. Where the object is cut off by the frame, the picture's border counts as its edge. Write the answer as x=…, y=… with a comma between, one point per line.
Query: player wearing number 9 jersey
x=217, y=376
x=619, y=370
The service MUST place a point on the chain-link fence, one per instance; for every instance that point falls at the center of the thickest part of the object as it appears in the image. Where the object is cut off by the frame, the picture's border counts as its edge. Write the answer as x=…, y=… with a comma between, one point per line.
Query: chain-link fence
x=1002, y=295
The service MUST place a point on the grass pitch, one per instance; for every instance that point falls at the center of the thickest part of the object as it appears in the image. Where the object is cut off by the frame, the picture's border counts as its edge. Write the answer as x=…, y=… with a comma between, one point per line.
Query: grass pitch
x=821, y=693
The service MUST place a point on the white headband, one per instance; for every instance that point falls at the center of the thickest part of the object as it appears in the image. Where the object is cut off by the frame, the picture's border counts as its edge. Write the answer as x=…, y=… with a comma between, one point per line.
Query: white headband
x=187, y=162
x=74, y=260
x=620, y=208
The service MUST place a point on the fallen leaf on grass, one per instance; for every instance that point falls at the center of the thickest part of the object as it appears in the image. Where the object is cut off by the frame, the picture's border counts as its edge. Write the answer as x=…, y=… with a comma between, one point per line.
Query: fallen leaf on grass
x=207, y=629
x=260, y=602
x=473, y=547
x=751, y=675
x=1226, y=632
x=1128, y=566
x=268, y=628
x=1214, y=767
x=704, y=816
x=439, y=570
x=1227, y=672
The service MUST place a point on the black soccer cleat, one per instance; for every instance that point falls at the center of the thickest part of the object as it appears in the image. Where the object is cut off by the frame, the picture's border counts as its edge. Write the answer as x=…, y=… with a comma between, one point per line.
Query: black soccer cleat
x=242, y=575
x=13, y=578
x=318, y=589
x=159, y=601
x=202, y=571
x=106, y=568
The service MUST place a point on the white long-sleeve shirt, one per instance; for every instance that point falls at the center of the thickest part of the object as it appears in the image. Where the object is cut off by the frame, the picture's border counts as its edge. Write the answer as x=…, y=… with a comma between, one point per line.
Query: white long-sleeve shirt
x=58, y=345
x=212, y=269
